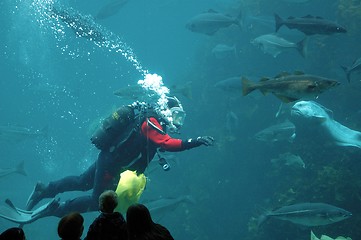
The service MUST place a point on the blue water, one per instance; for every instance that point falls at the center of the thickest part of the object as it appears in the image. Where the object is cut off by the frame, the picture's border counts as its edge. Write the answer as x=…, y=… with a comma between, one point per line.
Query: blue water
x=51, y=78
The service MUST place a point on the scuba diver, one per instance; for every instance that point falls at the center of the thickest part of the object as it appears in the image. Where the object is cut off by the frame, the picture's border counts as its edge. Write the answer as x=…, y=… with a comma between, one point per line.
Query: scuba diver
x=128, y=139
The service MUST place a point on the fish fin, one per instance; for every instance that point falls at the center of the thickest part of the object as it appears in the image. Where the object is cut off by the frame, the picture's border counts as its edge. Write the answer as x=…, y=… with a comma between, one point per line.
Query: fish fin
x=347, y=71
x=292, y=138
x=302, y=47
x=264, y=79
x=211, y=33
x=186, y=90
x=320, y=119
x=20, y=169
x=282, y=74
x=298, y=72
x=308, y=16
x=279, y=22
x=239, y=20
x=262, y=219
x=285, y=99
x=247, y=86
x=264, y=91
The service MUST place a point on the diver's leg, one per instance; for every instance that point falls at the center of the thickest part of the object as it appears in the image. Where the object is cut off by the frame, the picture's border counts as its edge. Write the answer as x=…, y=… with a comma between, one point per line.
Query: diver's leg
x=83, y=182
x=81, y=204
x=106, y=177
x=107, y=174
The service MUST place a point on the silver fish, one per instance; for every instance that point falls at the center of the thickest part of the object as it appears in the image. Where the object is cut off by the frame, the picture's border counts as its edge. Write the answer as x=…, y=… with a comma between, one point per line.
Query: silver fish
x=19, y=169
x=274, y=45
x=355, y=67
x=221, y=51
x=159, y=208
x=284, y=131
x=308, y=214
x=110, y=9
x=210, y=22
x=232, y=84
x=291, y=87
x=315, y=120
x=83, y=26
x=310, y=25
x=136, y=92
x=289, y=159
x=11, y=133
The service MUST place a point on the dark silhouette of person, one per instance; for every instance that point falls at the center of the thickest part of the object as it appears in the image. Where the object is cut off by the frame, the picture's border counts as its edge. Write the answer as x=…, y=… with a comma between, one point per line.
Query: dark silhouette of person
x=129, y=139
x=70, y=227
x=14, y=233
x=140, y=225
x=108, y=225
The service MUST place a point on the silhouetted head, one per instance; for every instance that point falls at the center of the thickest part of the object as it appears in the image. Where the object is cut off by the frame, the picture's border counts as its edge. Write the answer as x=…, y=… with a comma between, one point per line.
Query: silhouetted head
x=14, y=233
x=70, y=226
x=108, y=201
x=139, y=219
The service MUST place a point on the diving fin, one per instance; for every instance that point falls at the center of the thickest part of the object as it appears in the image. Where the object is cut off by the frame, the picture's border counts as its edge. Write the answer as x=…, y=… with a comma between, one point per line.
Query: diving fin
x=22, y=216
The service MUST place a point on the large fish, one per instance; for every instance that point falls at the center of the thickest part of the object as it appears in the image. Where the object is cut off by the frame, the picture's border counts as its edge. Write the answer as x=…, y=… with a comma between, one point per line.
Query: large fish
x=312, y=119
x=232, y=84
x=274, y=45
x=308, y=214
x=210, y=22
x=289, y=159
x=137, y=92
x=310, y=25
x=290, y=87
x=221, y=51
x=19, y=169
x=10, y=133
x=284, y=131
x=110, y=9
x=356, y=67
x=83, y=26
x=161, y=207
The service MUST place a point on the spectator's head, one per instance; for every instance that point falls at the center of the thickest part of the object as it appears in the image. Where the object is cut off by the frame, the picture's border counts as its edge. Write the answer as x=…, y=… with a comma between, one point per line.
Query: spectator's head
x=71, y=226
x=14, y=233
x=139, y=219
x=108, y=201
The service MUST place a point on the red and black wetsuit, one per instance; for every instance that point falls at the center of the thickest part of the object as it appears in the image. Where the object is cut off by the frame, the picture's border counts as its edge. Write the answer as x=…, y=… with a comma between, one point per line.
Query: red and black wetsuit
x=134, y=154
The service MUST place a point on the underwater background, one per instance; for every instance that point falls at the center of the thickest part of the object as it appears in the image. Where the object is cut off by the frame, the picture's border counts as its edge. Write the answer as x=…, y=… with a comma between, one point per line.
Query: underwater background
x=52, y=79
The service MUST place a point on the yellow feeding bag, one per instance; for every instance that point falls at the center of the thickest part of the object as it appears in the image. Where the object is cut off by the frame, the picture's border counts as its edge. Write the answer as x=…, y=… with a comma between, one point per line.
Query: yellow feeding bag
x=129, y=189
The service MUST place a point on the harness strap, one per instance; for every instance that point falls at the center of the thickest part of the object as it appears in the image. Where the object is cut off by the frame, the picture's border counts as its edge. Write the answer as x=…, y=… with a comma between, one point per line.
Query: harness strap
x=155, y=127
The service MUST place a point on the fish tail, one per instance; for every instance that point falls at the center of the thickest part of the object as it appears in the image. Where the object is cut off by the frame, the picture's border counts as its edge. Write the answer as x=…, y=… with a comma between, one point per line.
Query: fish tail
x=20, y=169
x=302, y=47
x=247, y=86
x=239, y=20
x=262, y=219
x=190, y=199
x=347, y=71
x=279, y=22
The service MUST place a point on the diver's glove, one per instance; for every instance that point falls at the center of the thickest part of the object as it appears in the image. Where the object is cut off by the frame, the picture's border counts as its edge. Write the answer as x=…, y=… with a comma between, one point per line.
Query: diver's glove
x=191, y=143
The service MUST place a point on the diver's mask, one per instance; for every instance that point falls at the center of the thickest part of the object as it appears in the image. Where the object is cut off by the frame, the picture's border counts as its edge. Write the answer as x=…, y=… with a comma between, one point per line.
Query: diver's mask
x=178, y=116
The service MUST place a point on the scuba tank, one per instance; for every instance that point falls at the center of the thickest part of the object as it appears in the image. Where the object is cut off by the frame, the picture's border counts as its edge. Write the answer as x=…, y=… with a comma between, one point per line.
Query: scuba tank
x=112, y=127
